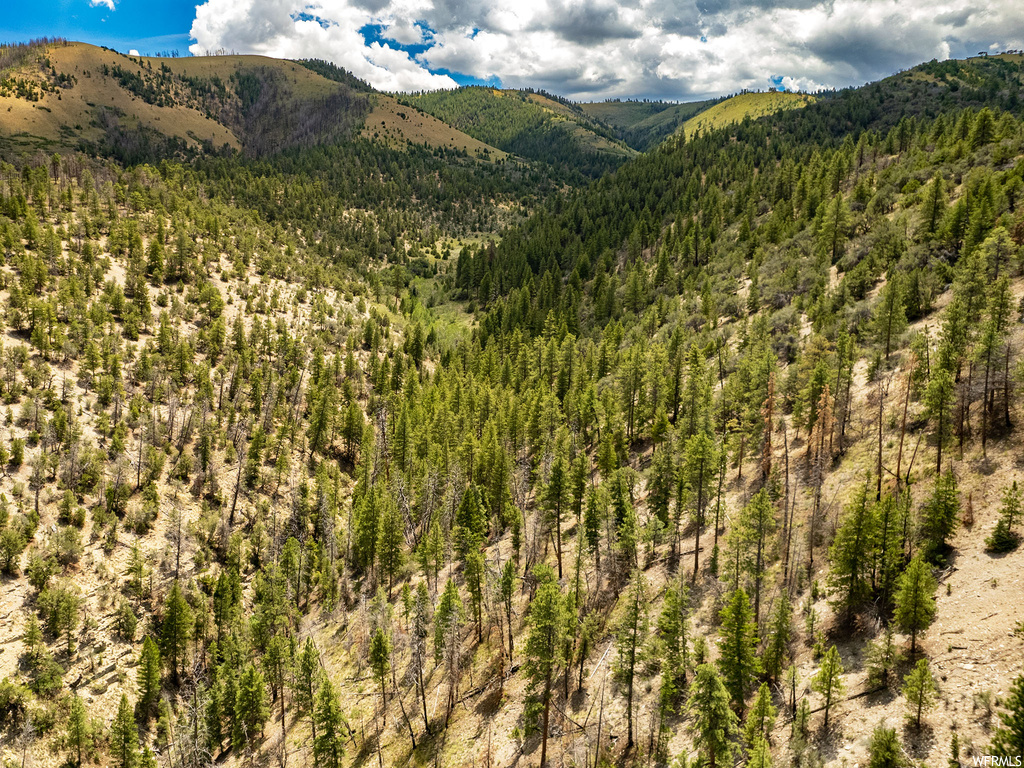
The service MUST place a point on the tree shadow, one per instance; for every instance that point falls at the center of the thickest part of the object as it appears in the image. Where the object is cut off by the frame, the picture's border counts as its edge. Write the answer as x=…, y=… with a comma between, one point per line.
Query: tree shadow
x=918, y=742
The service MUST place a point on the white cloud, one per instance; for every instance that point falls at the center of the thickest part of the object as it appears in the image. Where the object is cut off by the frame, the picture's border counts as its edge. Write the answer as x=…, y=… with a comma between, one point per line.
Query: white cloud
x=109, y=4
x=680, y=49
x=133, y=52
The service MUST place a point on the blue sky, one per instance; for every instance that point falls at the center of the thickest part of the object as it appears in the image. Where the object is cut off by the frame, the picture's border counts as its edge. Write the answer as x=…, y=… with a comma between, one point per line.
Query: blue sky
x=150, y=26
x=583, y=49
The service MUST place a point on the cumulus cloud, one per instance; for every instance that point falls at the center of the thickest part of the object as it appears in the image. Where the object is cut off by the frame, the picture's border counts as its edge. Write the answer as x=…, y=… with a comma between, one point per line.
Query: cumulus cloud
x=108, y=4
x=593, y=49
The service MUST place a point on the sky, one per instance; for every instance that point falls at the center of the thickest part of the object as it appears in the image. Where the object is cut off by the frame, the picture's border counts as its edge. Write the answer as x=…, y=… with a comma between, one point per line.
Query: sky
x=678, y=50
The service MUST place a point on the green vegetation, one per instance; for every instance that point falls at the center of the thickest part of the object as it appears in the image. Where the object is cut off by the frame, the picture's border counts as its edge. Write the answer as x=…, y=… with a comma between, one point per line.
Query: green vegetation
x=534, y=126
x=347, y=452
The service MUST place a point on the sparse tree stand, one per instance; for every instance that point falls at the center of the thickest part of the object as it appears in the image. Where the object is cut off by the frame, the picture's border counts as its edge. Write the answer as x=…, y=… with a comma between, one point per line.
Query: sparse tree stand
x=829, y=680
x=714, y=723
x=545, y=646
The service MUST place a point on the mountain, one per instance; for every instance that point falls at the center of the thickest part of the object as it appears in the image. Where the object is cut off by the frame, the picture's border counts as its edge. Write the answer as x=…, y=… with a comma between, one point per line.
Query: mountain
x=532, y=125
x=644, y=124
x=741, y=106
x=73, y=94
x=365, y=452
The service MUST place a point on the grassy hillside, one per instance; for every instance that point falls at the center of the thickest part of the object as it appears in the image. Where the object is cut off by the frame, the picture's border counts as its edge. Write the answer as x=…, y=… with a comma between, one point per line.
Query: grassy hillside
x=531, y=125
x=67, y=95
x=743, y=105
x=642, y=124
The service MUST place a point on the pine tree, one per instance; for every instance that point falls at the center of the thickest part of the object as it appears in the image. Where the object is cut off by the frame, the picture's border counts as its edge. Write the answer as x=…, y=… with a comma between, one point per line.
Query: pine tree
x=834, y=228
x=761, y=718
x=1008, y=739
x=737, y=643
x=915, y=600
x=556, y=496
x=933, y=209
x=849, y=579
x=760, y=755
x=629, y=637
x=545, y=645
x=697, y=478
x=885, y=750
x=329, y=741
x=251, y=707
x=380, y=663
x=881, y=658
x=124, y=736
x=919, y=690
x=780, y=631
x=939, y=403
x=448, y=619
x=751, y=541
x=420, y=633
x=175, y=630
x=672, y=634
x=890, y=318
x=1003, y=538
x=829, y=679
x=713, y=726
x=307, y=680
x=940, y=517
x=148, y=676
x=79, y=734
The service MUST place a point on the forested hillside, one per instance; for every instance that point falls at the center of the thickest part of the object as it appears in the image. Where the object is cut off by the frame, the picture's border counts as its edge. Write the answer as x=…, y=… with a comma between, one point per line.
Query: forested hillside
x=644, y=124
x=536, y=126
x=351, y=455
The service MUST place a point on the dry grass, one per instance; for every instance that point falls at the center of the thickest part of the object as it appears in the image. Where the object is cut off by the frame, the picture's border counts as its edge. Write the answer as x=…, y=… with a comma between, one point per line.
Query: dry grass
x=744, y=105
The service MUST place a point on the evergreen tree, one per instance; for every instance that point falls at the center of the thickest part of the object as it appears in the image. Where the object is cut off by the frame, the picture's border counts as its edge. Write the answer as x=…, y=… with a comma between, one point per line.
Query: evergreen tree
x=124, y=736
x=251, y=706
x=939, y=403
x=919, y=691
x=448, y=619
x=915, y=600
x=890, y=318
x=1008, y=739
x=380, y=663
x=672, y=634
x=738, y=646
x=849, y=578
x=79, y=734
x=881, y=659
x=329, y=742
x=713, y=726
x=940, y=517
x=885, y=750
x=629, y=637
x=760, y=755
x=1003, y=537
x=829, y=680
x=761, y=718
x=556, y=497
x=545, y=645
x=175, y=630
x=780, y=632
x=148, y=676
